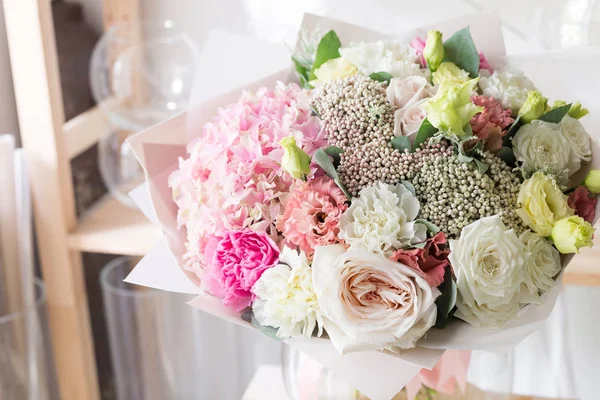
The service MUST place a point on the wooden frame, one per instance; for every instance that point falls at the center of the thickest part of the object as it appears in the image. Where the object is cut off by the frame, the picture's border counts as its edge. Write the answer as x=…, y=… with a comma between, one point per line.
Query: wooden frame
x=108, y=227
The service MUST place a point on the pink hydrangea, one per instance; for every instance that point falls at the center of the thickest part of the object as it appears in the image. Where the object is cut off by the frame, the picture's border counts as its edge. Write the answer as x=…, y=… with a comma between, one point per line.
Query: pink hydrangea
x=491, y=124
x=232, y=178
x=311, y=214
x=234, y=262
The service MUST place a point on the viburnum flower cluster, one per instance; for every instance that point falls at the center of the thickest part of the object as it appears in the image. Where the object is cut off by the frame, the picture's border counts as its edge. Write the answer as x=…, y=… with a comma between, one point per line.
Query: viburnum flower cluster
x=400, y=189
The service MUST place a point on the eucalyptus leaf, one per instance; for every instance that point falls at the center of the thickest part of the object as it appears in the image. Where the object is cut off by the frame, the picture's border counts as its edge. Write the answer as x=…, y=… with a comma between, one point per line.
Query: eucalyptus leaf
x=507, y=155
x=419, y=245
x=556, y=115
x=481, y=166
x=410, y=187
x=328, y=49
x=265, y=330
x=446, y=302
x=460, y=49
x=342, y=187
x=464, y=158
x=335, y=153
x=426, y=131
x=401, y=143
x=322, y=159
x=381, y=76
x=303, y=71
x=315, y=112
x=431, y=227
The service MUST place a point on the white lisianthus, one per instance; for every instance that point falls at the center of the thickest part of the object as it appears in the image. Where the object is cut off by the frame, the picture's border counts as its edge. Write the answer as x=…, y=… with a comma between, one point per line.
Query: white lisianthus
x=408, y=120
x=540, y=145
x=488, y=262
x=508, y=86
x=370, y=302
x=542, y=263
x=285, y=297
x=399, y=60
x=579, y=141
x=381, y=219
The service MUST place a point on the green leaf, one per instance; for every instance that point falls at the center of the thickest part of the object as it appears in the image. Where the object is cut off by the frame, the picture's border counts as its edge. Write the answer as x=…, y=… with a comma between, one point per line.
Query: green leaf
x=303, y=71
x=410, y=187
x=483, y=167
x=464, y=158
x=381, y=76
x=556, y=115
x=322, y=159
x=328, y=48
x=425, y=132
x=401, y=143
x=265, y=330
x=431, y=227
x=419, y=245
x=446, y=302
x=460, y=49
x=335, y=153
x=507, y=155
x=315, y=112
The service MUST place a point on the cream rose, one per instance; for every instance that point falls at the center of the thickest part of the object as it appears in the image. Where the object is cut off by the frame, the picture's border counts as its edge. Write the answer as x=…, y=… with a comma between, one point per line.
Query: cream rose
x=540, y=145
x=488, y=262
x=408, y=120
x=408, y=91
x=579, y=141
x=542, y=263
x=369, y=302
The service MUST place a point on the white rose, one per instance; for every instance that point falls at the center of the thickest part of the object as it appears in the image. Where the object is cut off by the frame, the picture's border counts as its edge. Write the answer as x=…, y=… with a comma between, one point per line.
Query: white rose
x=540, y=145
x=488, y=262
x=508, y=86
x=285, y=298
x=408, y=120
x=542, y=263
x=579, y=141
x=399, y=60
x=408, y=91
x=381, y=219
x=370, y=302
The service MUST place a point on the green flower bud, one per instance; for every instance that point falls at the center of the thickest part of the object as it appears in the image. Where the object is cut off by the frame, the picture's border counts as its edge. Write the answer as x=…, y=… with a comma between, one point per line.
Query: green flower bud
x=294, y=161
x=592, y=181
x=576, y=110
x=434, y=50
x=572, y=233
x=534, y=107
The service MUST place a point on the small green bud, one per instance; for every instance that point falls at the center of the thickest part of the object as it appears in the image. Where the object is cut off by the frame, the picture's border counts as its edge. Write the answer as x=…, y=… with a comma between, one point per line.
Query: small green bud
x=592, y=181
x=294, y=161
x=534, y=107
x=434, y=50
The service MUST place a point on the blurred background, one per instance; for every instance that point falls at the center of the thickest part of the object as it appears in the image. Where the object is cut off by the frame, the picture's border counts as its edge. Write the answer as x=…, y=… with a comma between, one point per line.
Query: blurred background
x=149, y=345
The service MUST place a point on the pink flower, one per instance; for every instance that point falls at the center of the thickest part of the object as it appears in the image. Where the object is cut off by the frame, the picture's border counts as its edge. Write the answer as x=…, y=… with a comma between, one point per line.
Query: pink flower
x=584, y=203
x=234, y=262
x=491, y=124
x=311, y=214
x=431, y=260
x=483, y=63
x=419, y=45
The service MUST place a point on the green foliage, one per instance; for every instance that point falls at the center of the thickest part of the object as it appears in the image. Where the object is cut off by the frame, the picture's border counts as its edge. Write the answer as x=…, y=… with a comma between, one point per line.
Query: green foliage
x=556, y=114
x=446, y=302
x=381, y=76
x=426, y=131
x=322, y=159
x=460, y=50
x=401, y=143
x=328, y=48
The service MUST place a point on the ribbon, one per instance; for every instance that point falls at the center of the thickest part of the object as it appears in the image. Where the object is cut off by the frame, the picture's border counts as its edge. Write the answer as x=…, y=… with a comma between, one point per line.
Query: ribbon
x=449, y=372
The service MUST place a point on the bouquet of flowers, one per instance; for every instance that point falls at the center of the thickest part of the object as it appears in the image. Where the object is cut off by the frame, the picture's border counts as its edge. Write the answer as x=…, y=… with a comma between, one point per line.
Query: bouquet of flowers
x=393, y=200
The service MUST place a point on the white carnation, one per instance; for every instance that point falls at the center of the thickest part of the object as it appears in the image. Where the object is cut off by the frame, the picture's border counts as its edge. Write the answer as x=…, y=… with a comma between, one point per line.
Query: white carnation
x=381, y=219
x=508, y=86
x=488, y=261
x=542, y=263
x=579, y=141
x=285, y=297
x=399, y=60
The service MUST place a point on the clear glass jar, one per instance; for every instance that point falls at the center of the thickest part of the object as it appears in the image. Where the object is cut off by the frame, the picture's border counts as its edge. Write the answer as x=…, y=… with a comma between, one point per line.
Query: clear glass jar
x=490, y=377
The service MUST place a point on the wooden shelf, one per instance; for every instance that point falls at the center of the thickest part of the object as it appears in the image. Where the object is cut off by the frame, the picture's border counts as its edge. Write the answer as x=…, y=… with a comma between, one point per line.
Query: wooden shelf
x=113, y=228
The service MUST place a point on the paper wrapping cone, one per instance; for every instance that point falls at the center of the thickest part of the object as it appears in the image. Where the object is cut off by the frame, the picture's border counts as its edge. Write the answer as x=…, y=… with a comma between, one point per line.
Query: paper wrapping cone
x=378, y=375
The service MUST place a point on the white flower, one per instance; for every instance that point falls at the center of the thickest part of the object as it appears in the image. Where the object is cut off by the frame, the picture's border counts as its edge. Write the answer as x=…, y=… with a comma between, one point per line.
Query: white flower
x=508, y=86
x=381, y=219
x=285, y=298
x=408, y=91
x=540, y=145
x=397, y=59
x=408, y=120
x=542, y=263
x=579, y=141
x=488, y=262
x=370, y=302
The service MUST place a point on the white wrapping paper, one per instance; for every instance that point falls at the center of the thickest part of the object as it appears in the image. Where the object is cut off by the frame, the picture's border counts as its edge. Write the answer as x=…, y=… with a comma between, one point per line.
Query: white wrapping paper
x=380, y=376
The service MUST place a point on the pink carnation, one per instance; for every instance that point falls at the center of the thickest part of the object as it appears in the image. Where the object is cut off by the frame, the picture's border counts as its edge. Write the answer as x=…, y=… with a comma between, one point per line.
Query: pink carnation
x=431, y=260
x=491, y=124
x=311, y=214
x=419, y=45
x=584, y=203
x=234, y=262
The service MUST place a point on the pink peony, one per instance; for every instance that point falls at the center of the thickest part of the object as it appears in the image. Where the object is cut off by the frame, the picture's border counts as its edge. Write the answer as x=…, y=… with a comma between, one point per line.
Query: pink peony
x=483, y=63
x=418, y=45
x=311, y=214
x=234, y=262
x=430, y=260
x=584, y=203
x=491, y=124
